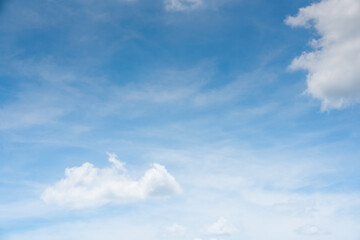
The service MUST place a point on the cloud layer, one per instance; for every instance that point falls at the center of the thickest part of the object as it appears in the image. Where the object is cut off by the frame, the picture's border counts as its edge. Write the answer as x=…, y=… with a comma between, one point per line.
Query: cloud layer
x=333, y=66
x=88, y=186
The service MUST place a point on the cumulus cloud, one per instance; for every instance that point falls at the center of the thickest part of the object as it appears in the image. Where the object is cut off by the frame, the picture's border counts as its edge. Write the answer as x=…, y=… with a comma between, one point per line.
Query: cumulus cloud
x=219, y=228
x=88, y=186
x=182, y=5
x=334, y=64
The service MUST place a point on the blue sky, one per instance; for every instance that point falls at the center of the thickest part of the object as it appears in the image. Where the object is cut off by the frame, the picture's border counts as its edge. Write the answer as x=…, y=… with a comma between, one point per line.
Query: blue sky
x=179, y=119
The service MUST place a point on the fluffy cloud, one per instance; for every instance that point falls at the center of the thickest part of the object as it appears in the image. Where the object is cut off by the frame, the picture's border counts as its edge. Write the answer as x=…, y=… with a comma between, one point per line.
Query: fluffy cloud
x=88, y=186
x=182, y=5
x=334, y=64
x=219, y=228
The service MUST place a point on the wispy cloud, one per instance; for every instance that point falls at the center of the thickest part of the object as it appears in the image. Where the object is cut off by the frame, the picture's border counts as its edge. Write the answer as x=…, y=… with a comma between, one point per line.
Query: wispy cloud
x=53, y=89
x=174, y=230
x=219, y=228
x=308, y=230
x=182, y=5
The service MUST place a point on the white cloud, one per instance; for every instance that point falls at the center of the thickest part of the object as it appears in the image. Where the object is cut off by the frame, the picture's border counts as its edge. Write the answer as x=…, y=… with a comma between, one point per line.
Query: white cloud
x=219, y=228
x=308, y=230
x=175, y=230
x=116, y=163
x=88, y=186
x=182, y=5
x=333, y=66
x=249, y=202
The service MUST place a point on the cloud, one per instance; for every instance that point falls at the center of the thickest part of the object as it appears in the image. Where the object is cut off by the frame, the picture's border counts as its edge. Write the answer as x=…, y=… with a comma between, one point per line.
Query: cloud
x=88, y=186
x=308, y=230
x=219, y=228
x=175, y=230
x=333, y=65
x=182, y=5
x=116, y=163
x=52, y=88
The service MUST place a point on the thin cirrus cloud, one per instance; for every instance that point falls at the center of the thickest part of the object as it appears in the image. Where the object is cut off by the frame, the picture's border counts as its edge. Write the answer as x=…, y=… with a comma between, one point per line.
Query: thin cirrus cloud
x=333, y=65
x=182, y=5
x=88, y=186
x=219, y=228
x=308, y=230
x=174, y=230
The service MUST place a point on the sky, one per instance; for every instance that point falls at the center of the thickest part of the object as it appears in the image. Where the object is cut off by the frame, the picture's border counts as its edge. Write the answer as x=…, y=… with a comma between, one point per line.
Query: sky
x=179, y=119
